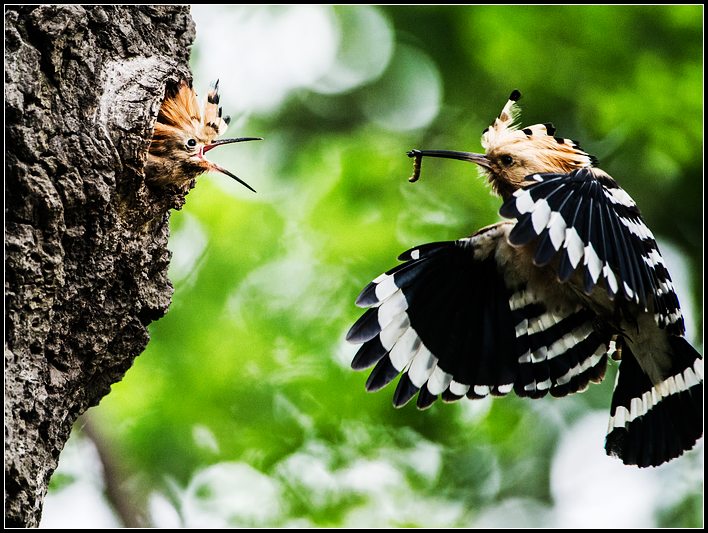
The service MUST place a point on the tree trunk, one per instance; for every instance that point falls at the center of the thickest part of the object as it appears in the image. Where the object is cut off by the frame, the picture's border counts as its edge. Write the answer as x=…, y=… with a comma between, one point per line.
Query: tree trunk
x=86, y=242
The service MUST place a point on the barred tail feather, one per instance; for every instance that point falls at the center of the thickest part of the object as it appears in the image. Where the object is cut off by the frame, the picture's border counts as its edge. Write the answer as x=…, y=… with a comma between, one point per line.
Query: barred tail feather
x=654, y=423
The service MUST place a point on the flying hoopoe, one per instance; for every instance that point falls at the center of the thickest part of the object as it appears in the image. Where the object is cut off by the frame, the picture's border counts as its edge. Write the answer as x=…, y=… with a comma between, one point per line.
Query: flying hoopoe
x=536, y=304
x=183, y=136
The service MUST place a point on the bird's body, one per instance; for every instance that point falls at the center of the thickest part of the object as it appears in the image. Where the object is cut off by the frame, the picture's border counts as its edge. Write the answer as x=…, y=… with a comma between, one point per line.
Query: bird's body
x=538, y=303
x=183, y=134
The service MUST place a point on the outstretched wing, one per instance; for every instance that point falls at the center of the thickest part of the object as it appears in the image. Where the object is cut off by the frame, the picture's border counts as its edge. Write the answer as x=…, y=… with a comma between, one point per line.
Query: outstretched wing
x=466, y=318
x=584, y=220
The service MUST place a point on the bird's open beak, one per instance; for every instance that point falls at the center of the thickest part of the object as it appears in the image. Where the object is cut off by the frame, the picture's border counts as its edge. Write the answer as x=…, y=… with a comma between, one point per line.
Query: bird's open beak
x=218, y=168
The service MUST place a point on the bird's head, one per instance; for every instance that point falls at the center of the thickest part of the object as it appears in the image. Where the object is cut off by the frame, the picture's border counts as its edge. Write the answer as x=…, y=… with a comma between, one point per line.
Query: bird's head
x=512, y=153
x=184, y=135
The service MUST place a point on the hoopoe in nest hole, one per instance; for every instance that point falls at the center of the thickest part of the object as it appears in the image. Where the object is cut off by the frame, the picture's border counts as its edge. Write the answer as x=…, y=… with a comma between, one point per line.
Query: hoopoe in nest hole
x=538, y=303
x=183, y=136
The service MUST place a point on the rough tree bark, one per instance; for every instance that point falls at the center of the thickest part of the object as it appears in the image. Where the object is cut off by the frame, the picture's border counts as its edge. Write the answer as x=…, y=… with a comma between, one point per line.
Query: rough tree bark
x=86, y=242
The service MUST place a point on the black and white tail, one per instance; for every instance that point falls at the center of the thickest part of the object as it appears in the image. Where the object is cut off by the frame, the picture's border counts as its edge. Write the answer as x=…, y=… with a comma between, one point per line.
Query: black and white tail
x=654, y=423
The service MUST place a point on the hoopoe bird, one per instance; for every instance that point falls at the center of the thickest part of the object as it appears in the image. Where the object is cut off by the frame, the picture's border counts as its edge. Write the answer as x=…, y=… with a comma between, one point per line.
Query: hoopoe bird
x=182, y=137
x=536, y=304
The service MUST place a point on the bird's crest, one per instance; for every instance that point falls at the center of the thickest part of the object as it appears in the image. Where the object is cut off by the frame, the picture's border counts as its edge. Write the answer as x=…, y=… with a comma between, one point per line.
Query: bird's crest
x=538, y=140
x=180, y=112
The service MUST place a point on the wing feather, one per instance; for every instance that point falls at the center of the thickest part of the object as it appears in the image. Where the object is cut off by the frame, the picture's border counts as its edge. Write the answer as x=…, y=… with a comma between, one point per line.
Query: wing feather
x=604, y=237
x=453, y=324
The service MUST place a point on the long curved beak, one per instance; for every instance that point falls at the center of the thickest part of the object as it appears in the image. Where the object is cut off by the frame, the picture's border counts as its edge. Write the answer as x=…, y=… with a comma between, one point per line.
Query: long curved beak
x=418, y=155
x=218, y=168
x=479, y=159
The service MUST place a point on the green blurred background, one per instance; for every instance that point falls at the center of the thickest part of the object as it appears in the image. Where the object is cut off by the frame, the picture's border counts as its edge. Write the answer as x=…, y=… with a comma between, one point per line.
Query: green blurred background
x=243, y=410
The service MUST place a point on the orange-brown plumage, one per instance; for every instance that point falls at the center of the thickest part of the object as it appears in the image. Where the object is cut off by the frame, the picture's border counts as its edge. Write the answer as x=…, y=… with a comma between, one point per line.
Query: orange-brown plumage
x=181, y=110
x=183, y=135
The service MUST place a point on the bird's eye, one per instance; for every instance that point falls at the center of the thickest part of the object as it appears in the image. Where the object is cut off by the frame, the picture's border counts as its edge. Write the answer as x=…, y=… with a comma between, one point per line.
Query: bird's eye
x=192, y=143
x=506, y=160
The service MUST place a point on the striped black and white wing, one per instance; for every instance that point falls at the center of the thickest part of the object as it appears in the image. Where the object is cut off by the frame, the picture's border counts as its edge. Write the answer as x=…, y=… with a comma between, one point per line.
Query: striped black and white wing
x=584, y=220
x=461, y=318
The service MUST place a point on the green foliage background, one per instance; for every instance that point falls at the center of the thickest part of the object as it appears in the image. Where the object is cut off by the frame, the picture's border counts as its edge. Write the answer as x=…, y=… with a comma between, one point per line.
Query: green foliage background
x=248, y=371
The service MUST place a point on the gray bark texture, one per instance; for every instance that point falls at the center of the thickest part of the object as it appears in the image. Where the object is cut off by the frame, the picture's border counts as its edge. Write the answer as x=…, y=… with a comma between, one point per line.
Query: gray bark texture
x=85, y=240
